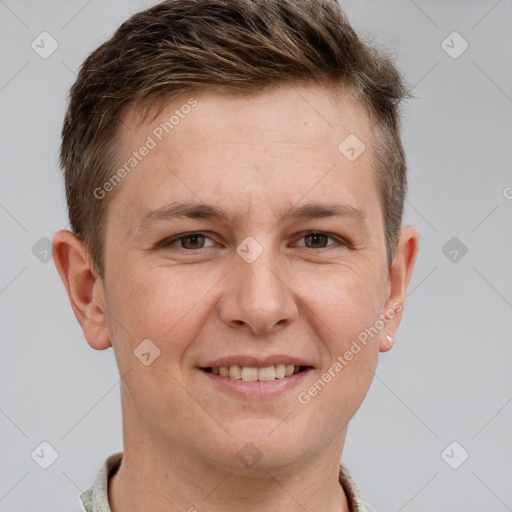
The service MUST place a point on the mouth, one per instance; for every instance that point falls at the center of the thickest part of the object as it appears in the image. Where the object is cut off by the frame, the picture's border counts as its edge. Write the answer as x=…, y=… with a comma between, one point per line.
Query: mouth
x=254, y=373
x=255, y=377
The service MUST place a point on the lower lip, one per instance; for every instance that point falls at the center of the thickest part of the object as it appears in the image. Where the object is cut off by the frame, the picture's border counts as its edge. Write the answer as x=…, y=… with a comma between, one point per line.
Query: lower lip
x=256, y=389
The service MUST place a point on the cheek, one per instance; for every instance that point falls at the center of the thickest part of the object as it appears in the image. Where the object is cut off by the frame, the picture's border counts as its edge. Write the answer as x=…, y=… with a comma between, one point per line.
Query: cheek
x=165, y=306
x=159, y=301
x=344, y=309
x=346, y=301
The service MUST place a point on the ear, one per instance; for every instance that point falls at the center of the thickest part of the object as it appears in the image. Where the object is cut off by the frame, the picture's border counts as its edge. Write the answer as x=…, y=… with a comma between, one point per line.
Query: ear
x=83, y=286
x=398, y=281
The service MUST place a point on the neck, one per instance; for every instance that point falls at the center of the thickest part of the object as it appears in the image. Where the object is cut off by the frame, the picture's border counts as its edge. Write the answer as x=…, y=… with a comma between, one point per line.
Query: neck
x=174, y=481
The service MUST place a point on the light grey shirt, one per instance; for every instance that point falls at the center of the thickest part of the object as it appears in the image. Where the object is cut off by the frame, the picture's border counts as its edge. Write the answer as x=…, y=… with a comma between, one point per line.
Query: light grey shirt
x=95, y=499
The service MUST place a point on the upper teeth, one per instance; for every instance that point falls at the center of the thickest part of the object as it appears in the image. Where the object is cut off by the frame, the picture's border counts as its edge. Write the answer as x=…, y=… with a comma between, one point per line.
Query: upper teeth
x=249, y=373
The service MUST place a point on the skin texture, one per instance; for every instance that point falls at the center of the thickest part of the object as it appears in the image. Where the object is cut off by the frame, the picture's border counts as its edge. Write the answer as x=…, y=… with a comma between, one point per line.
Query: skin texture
x=254, y=156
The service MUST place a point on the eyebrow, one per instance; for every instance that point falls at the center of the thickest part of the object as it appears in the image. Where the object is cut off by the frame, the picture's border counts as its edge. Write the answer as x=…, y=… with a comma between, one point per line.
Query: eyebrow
x=306, y=211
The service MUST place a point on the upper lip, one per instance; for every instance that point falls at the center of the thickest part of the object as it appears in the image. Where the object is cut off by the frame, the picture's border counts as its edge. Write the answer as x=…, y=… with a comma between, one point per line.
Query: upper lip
x=253, y=361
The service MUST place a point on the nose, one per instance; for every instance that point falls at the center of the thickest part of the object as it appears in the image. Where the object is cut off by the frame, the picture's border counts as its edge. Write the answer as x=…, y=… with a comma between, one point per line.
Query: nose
x=258, y=298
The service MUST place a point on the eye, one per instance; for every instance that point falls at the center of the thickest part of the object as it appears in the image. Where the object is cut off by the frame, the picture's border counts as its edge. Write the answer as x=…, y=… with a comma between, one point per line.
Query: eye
x=196, y=241
x=188, y=241
x=318, y=240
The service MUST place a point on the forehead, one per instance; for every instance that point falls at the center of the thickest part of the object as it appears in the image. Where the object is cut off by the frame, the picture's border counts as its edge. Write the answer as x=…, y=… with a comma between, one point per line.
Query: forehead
x=285, y=144
x=306, y=115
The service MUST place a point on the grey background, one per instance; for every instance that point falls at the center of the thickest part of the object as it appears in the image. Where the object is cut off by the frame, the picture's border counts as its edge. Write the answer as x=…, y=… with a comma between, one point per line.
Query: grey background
x=448, y=377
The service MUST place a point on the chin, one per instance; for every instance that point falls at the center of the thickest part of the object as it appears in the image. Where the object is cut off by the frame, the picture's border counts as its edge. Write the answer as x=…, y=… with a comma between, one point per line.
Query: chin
x=259, y=449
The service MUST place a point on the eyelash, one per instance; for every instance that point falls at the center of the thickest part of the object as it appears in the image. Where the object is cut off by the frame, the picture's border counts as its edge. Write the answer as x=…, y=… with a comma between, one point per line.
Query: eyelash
x=169, y=242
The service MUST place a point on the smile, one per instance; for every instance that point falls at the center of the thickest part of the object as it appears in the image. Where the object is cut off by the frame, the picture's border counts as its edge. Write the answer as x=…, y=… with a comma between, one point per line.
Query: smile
x=251, y=373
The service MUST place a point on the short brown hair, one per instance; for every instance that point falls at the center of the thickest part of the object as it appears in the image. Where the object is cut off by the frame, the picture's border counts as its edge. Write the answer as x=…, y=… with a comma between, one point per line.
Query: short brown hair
x=232, y=46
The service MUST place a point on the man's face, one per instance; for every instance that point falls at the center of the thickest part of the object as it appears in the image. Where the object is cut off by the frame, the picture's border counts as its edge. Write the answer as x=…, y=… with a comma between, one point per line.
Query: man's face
x=254, y=288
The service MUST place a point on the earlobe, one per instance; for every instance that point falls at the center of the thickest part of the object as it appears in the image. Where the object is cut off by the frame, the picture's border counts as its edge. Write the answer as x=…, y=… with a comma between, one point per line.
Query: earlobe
x=83, y=286
x=398, y=282
x=387, y=344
